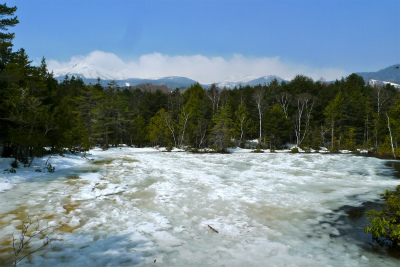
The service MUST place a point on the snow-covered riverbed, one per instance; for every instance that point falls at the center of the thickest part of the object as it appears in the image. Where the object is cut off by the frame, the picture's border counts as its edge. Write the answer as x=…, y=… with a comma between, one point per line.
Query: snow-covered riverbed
x=141, y=207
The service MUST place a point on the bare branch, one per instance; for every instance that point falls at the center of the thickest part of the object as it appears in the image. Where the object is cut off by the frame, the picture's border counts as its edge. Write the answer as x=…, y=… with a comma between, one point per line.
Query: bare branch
x=25, y=239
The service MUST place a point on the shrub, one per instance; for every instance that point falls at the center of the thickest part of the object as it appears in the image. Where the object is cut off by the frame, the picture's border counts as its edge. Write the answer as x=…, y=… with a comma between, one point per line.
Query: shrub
x=385, y=226
x=294, y=150
x=8, y=171
x=169, y=147
x=50, y=167
x=15, y=164
x=194, y=150
x=30, y=231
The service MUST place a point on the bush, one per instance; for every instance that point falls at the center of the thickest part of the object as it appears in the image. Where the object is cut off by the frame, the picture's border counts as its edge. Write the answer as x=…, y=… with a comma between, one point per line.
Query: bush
x=169, y=147
x=194, y=150
x=30, y=231
x=50, y=167
x=294, y=150
x=385, y=226
x=8, y=171
x=14, y=164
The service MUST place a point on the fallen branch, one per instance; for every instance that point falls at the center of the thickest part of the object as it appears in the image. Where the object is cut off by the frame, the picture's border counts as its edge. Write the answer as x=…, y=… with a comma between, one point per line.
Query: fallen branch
x=213, y=229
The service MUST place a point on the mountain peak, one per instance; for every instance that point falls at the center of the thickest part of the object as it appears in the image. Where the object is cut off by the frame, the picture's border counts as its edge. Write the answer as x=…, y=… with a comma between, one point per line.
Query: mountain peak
x=86, y=70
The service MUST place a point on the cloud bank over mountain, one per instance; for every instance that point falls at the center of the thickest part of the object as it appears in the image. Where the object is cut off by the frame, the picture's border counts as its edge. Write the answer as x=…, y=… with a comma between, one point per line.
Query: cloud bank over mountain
x=198, y=67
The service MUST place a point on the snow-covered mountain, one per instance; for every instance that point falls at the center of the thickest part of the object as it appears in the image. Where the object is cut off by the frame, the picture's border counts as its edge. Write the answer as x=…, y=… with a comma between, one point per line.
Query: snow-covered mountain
x=249, y=80
x=88, y=71
x=389, y=75
x=378, y=82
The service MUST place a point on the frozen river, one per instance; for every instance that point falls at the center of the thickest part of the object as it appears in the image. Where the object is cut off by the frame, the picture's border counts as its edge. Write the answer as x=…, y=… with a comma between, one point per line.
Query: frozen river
x=132, y=207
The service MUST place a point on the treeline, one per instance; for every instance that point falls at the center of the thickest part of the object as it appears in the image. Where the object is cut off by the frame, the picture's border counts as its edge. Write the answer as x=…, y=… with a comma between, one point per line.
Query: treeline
x=38, y=112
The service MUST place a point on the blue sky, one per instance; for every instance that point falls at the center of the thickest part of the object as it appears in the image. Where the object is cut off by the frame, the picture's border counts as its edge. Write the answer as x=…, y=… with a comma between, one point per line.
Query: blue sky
x=318, y=38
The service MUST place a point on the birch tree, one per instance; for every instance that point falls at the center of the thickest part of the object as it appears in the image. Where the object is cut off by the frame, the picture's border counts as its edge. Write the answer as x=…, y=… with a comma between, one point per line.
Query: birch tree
x=259, y=98
x=284, y=100
x=214, y=94
x=305, y=104
x=243, y=122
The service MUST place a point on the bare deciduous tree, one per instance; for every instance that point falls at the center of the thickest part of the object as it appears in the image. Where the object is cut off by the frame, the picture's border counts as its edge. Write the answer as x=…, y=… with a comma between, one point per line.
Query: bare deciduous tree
x=259, y=96
x=171, y=125
x=284, y=101
x=184, y=117
x=382, y=96
x=305, y=104
x=214, y=94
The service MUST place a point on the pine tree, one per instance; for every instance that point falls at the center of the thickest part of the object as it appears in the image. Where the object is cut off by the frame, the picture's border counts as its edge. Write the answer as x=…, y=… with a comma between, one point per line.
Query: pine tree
x=277, y=126
x=333, y=114
x=222, y=130
x=7, y=20
x=158, y=129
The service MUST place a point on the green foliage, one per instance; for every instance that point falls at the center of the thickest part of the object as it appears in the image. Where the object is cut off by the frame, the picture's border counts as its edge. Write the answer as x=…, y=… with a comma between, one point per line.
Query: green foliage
x=223, y=129
x=333, y=115
x=385, y=225
x=158, y=129
x=277, y=126
x=169, y=147
x=294, y=150
x=7, y=20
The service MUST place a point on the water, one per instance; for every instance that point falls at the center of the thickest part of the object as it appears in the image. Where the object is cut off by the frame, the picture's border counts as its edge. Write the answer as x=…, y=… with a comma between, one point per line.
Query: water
x=134, y=208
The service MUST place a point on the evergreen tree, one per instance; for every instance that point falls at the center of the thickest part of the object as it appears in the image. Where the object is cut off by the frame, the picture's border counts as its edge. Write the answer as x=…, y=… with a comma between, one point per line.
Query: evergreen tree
x=223, y=129
x=86, y=107
x=333, y=115
x=158, y=129
x=277, y=126
x=193, y=119
x=7, y=20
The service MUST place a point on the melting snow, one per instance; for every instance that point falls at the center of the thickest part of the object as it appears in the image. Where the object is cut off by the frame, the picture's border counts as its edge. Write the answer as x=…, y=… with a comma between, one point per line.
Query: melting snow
x=131, y=207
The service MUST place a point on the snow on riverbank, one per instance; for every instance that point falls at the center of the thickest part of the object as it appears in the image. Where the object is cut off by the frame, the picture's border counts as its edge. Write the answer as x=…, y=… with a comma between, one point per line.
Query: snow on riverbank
x=61, y=163
x=8, y=180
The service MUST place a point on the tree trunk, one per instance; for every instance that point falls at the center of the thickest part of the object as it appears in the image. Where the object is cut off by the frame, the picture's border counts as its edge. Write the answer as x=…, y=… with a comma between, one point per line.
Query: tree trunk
x=391, y=138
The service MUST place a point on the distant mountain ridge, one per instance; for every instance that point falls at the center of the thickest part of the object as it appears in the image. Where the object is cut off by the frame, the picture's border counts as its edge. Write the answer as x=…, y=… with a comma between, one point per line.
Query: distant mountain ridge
x=172, y=81
x=390, y=74
x=90, y=73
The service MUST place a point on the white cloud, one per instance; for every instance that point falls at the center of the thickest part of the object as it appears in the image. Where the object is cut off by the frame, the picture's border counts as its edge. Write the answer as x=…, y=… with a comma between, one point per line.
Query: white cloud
x=198, y=67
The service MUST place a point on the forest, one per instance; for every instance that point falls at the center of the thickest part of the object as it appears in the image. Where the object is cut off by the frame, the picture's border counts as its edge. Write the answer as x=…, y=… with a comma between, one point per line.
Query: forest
x=38, y=112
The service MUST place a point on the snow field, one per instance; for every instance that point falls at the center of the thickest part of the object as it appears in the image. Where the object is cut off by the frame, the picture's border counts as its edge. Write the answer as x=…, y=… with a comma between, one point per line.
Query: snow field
x=133, y=206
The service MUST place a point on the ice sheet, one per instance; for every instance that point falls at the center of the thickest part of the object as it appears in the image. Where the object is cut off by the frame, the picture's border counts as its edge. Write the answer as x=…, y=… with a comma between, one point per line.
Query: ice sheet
x=135, y=206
